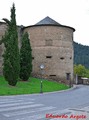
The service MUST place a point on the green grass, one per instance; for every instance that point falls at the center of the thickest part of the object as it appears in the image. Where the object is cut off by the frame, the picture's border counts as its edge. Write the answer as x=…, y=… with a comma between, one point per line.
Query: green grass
x=30, y=87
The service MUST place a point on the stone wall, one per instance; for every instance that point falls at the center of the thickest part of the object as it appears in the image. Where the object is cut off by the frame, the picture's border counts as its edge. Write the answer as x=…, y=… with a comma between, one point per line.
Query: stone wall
x=2, y=32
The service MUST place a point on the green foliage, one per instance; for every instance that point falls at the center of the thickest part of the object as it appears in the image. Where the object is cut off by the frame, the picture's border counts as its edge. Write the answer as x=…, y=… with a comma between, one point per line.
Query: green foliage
x=25, y=58
x=11, y=58
x=87, y=73
x=81, y=55
x=80, y=70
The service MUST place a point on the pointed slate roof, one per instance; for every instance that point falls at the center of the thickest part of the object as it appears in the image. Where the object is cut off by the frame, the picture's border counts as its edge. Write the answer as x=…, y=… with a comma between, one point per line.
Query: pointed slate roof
x=47, y=21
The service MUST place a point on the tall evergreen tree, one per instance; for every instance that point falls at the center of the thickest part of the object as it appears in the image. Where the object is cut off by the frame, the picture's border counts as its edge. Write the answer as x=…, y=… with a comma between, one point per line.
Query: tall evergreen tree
x=11, y=60
x=25, y=58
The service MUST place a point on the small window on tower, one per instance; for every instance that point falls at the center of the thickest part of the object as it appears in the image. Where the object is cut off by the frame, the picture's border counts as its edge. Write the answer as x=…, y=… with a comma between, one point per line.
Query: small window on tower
x=48, y=56
x=32, y=58
x=62, y=58
x=52, y=75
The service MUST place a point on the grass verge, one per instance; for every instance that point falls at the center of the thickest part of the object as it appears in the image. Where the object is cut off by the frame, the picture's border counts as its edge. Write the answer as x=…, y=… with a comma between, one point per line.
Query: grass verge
x=30, y=87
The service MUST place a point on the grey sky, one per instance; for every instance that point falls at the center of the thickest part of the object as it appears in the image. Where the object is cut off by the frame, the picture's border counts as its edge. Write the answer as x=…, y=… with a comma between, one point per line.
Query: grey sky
x=74, y=13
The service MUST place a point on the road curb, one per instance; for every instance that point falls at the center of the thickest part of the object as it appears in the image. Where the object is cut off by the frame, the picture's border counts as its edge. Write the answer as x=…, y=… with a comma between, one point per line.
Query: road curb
x=44, y=93
x=74, y=87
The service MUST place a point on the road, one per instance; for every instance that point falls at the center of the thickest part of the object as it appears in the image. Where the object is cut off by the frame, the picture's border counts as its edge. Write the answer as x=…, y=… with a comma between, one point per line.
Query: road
x=36, y=107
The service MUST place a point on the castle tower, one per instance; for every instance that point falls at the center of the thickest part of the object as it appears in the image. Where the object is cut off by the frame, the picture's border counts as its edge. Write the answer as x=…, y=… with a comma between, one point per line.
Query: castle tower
x=52, y=45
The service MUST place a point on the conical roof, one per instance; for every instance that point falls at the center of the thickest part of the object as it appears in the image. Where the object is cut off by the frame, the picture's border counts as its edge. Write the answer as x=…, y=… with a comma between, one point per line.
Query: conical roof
x=47, y=21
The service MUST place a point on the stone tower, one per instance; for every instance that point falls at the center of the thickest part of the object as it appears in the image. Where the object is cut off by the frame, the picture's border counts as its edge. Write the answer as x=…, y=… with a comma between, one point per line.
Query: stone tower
x=52, y=46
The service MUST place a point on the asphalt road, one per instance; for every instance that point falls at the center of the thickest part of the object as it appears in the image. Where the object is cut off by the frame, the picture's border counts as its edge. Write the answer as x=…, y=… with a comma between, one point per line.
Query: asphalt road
x=36, y=107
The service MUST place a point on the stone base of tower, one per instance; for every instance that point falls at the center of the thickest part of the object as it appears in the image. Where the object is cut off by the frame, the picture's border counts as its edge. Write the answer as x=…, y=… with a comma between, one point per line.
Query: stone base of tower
x=58, y=79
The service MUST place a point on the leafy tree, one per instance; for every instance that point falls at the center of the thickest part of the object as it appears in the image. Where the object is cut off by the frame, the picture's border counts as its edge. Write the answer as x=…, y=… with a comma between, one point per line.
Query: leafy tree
x=11, y=60
x=25, y=58
x=80, y=70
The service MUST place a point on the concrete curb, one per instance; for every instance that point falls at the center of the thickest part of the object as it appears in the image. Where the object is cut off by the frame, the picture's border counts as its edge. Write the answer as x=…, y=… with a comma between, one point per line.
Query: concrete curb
x=74, y=87
x=44, y=93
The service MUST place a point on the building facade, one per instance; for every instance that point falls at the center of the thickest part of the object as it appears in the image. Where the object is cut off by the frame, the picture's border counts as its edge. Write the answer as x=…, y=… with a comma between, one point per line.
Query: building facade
x=52, y=46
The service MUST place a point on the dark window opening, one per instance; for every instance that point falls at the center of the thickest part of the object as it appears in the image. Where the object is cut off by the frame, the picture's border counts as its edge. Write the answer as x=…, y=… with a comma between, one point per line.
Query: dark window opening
x=52, y=75
x=70, y=57
x=68, y=76
x=48, y=56
x=33, y=58
x=62, y=58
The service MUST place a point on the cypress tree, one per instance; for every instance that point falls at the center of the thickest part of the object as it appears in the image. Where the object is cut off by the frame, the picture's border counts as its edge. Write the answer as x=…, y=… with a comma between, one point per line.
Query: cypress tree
x=11, y=60
x=25, y=58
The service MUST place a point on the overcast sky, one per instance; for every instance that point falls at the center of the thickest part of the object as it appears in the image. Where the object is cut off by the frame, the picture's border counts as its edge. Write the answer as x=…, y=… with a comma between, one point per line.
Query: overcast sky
x=74, y=13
